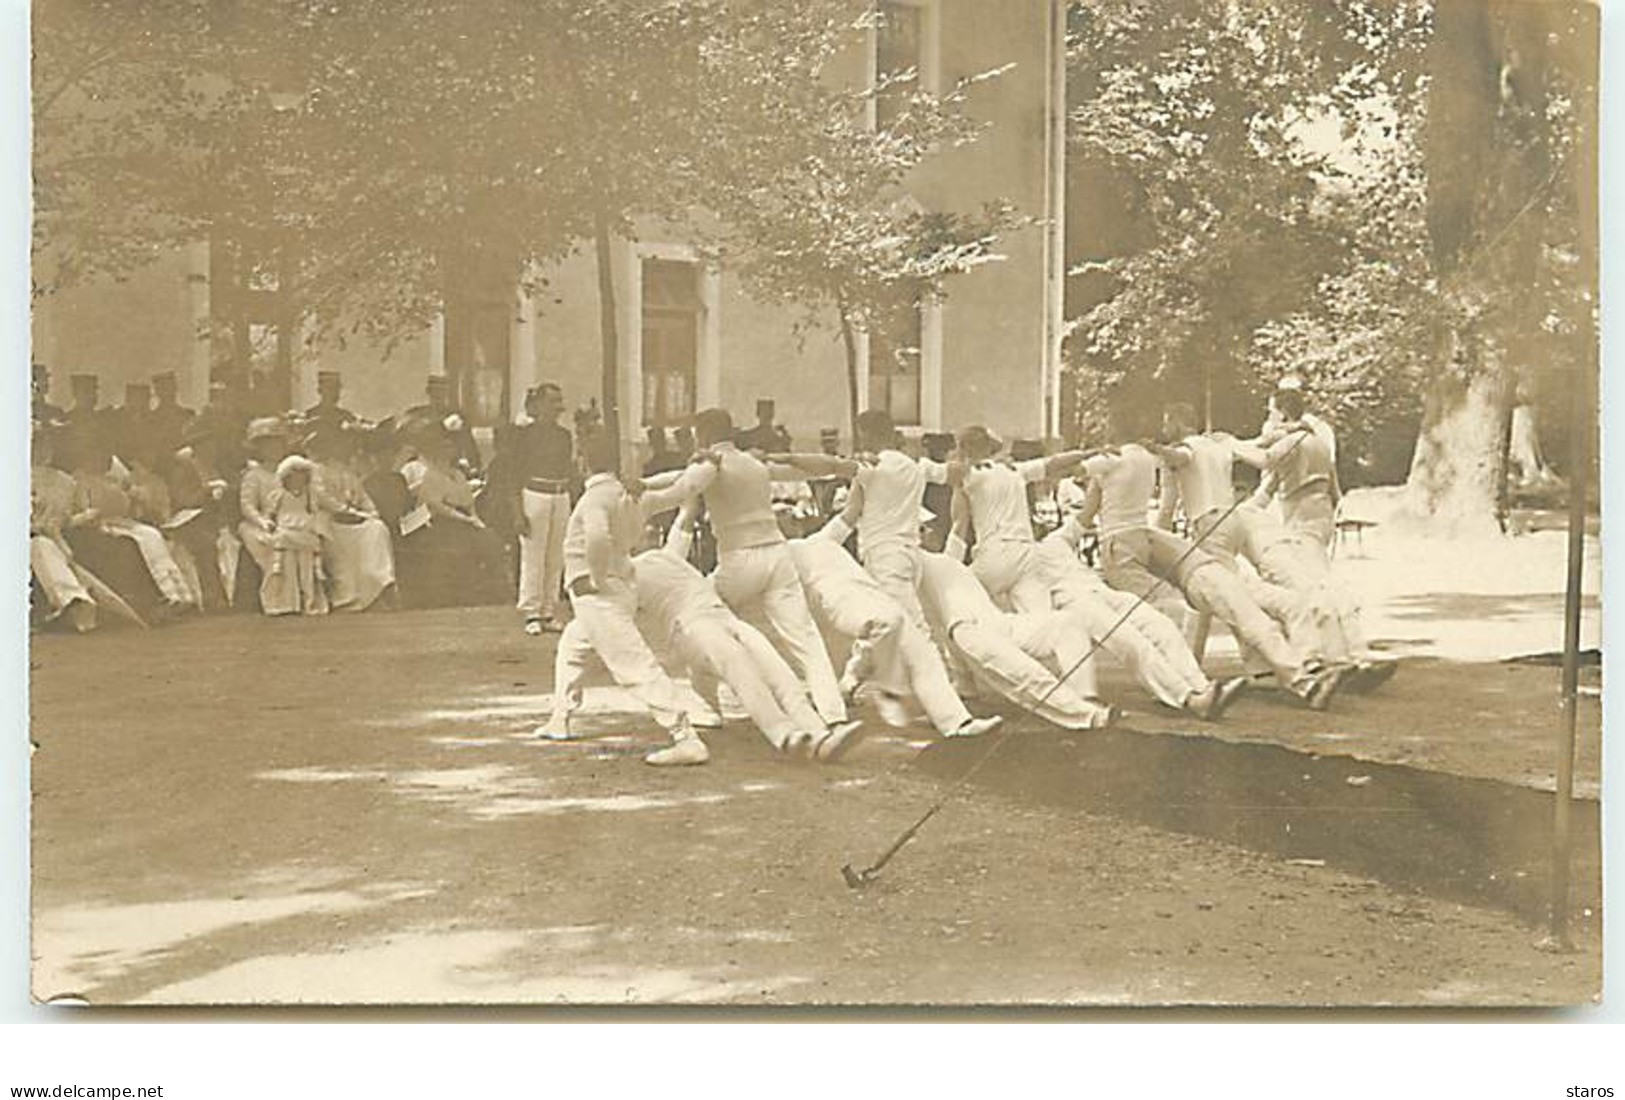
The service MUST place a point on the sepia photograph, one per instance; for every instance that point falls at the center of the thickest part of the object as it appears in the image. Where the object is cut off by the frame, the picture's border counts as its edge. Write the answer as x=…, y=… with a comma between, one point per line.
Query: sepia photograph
x=901, y=503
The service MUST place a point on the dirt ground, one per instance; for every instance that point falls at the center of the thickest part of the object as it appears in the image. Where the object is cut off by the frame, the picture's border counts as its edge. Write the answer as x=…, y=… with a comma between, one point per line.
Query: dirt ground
x=353, y=809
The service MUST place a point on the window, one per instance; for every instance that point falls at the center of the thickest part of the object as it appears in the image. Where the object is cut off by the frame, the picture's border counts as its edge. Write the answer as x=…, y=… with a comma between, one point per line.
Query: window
x=479, y=338
x=894, y=367
x=671, y=330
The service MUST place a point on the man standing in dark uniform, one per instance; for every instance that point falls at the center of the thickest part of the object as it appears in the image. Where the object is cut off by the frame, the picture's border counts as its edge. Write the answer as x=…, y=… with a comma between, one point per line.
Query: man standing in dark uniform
x=44, y=411
x=544, y=463
x=168, y=418
x=766, y=436
x=327, y=412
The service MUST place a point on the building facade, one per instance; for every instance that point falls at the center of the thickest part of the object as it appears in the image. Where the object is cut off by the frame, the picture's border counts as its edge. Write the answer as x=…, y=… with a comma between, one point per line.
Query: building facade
x=690, y=334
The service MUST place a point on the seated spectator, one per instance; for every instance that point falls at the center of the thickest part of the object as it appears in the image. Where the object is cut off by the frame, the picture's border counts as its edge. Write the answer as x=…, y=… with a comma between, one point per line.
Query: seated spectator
x=448, y=556
x=197, y=483
x=102, y=533
x=356, y=546
x=63, y=593
x=294, y=582
x=378, y=464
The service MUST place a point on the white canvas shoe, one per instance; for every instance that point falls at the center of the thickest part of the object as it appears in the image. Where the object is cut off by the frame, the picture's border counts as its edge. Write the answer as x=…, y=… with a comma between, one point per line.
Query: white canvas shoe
x=684, y=752
x=976, y=727
x=837, y=741
x=557, y=729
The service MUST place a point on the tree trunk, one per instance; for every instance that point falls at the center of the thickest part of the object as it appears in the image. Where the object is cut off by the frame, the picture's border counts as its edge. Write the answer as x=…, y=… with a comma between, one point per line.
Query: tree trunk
x=1456, y=470
x=849, y=340
x=608, y=330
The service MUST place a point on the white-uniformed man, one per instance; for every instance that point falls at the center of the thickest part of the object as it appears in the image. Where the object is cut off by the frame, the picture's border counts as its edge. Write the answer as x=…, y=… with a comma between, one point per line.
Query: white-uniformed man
x=1022, y=657
x=681, y=614
x=887, y=495
x=1291, y=561
x=890, y=654
x=1142, y=638
x=1301, y=467
x=755, y=576
x=1198, y=473
x=604, y=528
x=992, y=499
x=1142, y=560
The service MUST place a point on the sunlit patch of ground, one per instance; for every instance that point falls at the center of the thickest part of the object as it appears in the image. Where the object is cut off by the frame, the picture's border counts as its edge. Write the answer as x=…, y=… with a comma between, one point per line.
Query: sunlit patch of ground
x=491, y=791
x=437, y=966
x=77, y=948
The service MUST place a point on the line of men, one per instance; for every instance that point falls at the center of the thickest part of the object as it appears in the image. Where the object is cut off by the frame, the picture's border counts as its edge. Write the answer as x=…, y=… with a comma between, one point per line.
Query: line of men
x=923, y=631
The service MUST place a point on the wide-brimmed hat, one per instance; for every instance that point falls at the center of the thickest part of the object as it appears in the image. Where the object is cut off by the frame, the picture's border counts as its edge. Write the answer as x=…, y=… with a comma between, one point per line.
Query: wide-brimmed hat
x=266, y=427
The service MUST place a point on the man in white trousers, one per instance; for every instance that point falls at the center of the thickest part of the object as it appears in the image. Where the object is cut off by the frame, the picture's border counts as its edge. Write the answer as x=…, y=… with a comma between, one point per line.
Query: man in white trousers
x=1294, y=581
x=1136, y=634
x=1198, y=474
x=1293, y=562
x=1022, y=657
x=884, y=505
x=605, y=526
x=891, y=656
x=545, y=462
x=681, y=614
x=755, y=576
x=992, y=501
x=1142, y=560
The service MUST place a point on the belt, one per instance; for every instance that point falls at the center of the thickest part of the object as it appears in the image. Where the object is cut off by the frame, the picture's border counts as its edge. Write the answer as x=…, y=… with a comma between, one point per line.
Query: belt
x=546, y=485
x=582, y=586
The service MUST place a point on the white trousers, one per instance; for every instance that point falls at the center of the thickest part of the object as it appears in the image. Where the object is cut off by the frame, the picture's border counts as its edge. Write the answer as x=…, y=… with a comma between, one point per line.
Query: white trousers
x=762, y=586
x=1146, y=642
x=1009, y=570
x=720, y=648
x=1297, y=564
x=56, y=577
x=604, y=635
x=1020, y=657
x=541, y=553
x=888, y=650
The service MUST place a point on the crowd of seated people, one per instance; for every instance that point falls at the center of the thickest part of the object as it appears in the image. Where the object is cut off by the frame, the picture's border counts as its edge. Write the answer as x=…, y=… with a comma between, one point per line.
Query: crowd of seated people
x=151, y=512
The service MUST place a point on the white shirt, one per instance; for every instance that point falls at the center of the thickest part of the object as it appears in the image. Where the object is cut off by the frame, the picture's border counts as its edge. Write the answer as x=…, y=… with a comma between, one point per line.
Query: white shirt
x=1205, y=482
x=997, y=493
x=893, y=491
x=1127, y=481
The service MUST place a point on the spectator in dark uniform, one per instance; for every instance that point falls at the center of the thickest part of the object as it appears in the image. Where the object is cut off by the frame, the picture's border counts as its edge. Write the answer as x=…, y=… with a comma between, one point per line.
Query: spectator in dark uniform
x=327, y=412
x=44, y=412
x=543, y=466
x=661, y=457
x=130, y=422
x=766, y=436
x=169, y=417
